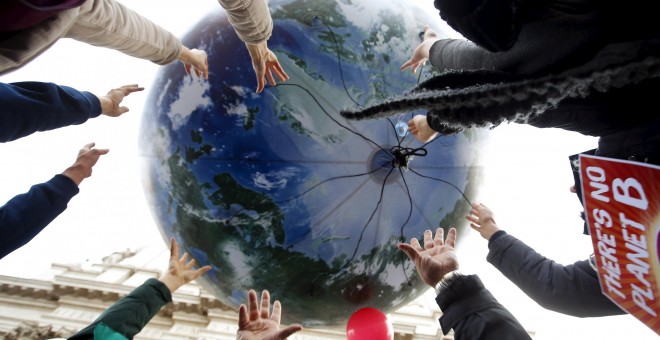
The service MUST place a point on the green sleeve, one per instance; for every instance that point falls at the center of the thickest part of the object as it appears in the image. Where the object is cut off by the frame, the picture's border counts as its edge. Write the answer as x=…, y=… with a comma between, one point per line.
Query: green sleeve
x=130, y=314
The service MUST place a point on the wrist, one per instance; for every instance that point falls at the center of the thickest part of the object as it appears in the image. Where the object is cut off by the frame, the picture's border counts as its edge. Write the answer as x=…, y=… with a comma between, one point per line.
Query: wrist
x=106, y=104
x=170, y=282
x=443, y=282
x=75, y=173
x=259, y=48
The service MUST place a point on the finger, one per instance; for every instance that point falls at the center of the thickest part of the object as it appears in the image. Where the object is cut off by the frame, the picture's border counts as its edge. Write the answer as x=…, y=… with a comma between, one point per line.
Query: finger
x=122, y=110
x=473, y=219
x=265, y=304
x=254, y=308
x=269, y=75
x=451, y=238
x=201, y=271
x=191, y=264
x=439, y=237
x=406, y=64
x=184, y=257
x=287, y=332
x=98, y=152
x=476, y=227
x=174, y=248
x=277, y=311
x=415, y=244
x=261, y=82
x=131, y=89
x=279, y=72
x=243, y=320
x=197, y=72
x=187, y=68
x=428, y=239
x=88, y=146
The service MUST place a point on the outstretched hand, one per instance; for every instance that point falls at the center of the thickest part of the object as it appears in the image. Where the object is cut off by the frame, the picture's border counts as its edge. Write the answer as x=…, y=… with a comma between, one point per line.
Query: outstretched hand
x=195, y=61
x=482, y=220
x=420, y=128
x=82, y=168
x=111, y=101
x=436, y=259
x=265, y=63
x=258, y=325
x=180, y=271
x=421, y=53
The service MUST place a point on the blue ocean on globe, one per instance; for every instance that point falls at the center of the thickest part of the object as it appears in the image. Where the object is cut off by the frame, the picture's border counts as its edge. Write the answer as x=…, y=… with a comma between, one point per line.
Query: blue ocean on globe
x=276, y=190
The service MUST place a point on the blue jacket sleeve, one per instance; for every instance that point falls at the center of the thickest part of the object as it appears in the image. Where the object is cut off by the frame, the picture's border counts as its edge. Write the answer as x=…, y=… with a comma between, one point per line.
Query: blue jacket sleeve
x=474, y=313
x=28, y=107
x=131, y=313
x=573, y=289
x=25, y=215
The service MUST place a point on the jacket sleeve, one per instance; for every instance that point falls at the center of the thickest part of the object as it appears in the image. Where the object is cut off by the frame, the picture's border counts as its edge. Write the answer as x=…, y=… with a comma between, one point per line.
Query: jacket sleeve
x=472, y=311
x=250, y=18
x=492, y=24
x=28, y=107
x=131, y=313
x=107, y=23
x=573, y=289
x=25, y=215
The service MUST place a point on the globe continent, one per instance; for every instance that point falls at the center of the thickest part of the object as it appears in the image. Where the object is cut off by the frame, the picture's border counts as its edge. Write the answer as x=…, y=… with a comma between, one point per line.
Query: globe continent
x=276, y=190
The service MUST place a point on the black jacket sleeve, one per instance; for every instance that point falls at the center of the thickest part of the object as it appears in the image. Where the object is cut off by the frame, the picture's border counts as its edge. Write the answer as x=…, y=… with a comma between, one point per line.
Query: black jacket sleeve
x=28, y=107
x=492, y=24
x=25, y=215
x=572, y=289
x=472, y=311
x=130, y=314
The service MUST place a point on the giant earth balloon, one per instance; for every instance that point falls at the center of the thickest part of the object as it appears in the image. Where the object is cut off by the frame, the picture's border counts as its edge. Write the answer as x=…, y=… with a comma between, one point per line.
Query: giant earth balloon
x=276, y=190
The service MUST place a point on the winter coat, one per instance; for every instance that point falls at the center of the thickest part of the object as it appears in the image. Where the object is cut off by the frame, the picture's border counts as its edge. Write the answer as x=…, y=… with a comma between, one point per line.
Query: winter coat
x=555, y=63
x=473, y=313
x=102, y=23
x=24, y=109
x=126, y=317
x=572, y=289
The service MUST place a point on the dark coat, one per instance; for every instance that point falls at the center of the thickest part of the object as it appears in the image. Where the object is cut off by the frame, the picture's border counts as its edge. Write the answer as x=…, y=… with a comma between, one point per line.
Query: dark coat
x=131, y=313
x=572, y=289
x=26, y=215
x=473, y=313
x=26, y=108
x=555, y=63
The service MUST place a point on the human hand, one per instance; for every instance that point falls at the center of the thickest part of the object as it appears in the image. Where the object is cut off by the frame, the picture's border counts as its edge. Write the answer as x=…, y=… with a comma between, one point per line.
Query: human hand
x=110, y=102
x=436, y=259
x=82, y=168
x=180, y=271
x=482, y=220
x=258, y=325
x=265, y=63
x=420, y=128
x=195, y=60
x=421, y=53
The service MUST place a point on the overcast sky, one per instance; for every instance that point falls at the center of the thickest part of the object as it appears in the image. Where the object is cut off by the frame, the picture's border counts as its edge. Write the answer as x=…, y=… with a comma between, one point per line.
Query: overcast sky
x=526, y=183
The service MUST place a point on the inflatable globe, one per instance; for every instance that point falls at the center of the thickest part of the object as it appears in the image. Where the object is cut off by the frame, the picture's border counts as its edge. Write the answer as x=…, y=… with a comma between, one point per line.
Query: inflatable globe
x=276, y=190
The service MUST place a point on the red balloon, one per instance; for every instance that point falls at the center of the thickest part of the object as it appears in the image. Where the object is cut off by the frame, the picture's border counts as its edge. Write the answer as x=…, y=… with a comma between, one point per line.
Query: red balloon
x=369, y=324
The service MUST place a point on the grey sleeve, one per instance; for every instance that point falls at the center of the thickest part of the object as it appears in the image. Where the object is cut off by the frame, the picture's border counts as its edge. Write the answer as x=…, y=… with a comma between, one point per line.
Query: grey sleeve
x=250, y=18
x=572, y=289
x=107, y=23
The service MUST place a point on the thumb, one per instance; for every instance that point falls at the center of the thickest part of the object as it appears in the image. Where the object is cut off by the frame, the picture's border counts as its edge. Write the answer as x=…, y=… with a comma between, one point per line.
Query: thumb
x=410, y=251
x=285, y=333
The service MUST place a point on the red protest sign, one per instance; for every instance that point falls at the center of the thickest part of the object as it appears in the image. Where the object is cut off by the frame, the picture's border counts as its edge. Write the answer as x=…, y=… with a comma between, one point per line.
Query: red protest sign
x=622, y=208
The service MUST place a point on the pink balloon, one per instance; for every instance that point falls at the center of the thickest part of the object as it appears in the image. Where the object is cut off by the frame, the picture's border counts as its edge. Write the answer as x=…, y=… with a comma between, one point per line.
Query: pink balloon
x=369, y=324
